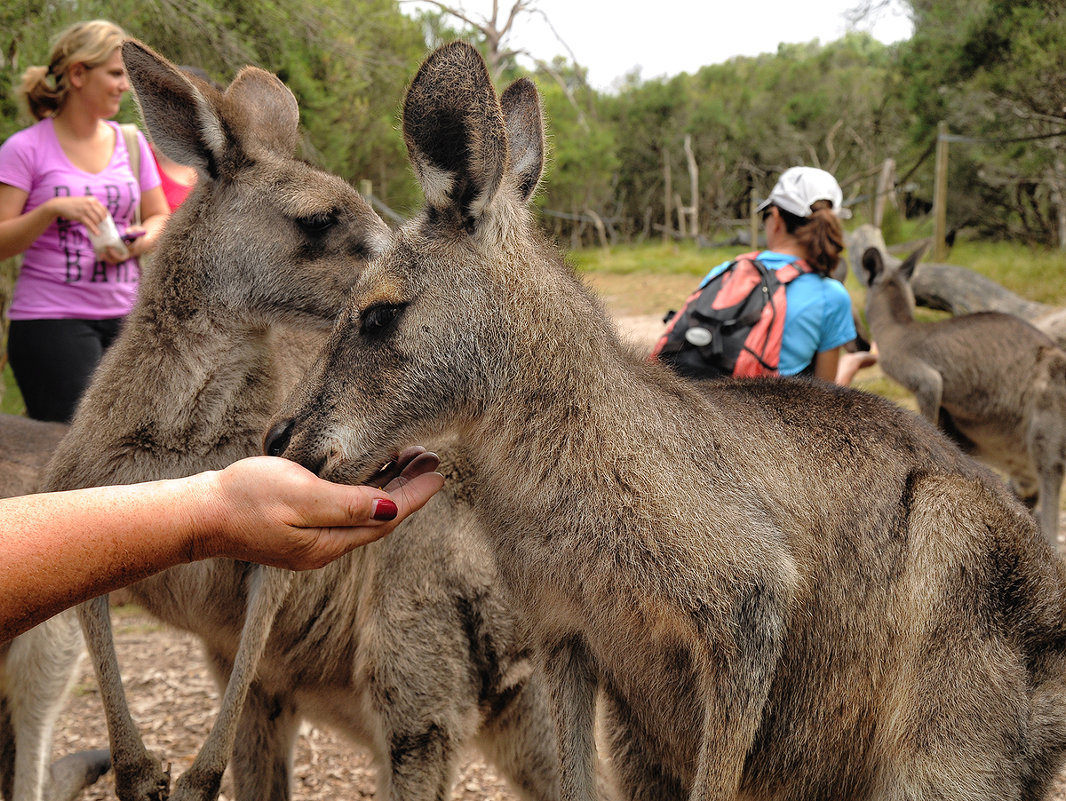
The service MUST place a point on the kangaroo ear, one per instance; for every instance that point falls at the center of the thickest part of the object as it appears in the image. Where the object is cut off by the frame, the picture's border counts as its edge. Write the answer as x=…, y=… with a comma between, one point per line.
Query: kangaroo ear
x=180, y=114
x=263, y=113
x=872, y=264
x=525, y=135
x=455, y=132
x=907, y=268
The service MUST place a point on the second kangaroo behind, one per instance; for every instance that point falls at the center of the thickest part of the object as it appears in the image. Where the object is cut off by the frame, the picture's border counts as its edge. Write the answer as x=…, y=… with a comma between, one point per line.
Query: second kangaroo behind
x=992, y=381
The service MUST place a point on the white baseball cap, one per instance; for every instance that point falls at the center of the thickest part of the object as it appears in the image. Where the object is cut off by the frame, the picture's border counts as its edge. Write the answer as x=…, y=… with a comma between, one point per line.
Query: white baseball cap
x=799, y=188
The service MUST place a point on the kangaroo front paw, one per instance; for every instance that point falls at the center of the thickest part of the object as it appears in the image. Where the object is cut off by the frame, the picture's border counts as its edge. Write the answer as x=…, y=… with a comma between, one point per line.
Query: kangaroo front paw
x=197, y=784
x=149, y=781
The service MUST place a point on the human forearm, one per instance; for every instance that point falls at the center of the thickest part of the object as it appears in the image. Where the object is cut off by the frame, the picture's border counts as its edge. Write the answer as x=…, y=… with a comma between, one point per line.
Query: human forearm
x=154, y=216
x=62, y=548
x=825, y=364
x=18, y=233
x=58, y=549
x=153, y=227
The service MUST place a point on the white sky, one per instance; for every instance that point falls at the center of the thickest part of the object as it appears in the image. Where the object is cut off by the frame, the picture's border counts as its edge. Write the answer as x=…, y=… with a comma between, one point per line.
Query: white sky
x=666, y=37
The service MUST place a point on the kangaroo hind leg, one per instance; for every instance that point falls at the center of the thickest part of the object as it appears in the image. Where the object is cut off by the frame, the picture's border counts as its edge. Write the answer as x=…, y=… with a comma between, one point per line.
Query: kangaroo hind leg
x=571, y=682
x=268, y=589
x=944, y=734
x=1046, y=440
x=262, y=755
x=519, y=739
x=735, y=690
x=39, y=670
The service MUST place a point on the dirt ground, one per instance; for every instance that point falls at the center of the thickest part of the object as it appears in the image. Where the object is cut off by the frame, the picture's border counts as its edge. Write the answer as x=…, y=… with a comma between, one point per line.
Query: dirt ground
x=174, y=700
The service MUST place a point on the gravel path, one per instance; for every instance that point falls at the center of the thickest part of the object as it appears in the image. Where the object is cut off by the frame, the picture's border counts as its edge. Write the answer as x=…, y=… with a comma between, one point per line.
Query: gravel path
x=174, y=701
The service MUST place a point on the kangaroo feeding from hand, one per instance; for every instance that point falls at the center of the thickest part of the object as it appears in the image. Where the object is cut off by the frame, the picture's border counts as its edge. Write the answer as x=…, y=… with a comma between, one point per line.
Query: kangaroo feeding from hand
x=779, y=589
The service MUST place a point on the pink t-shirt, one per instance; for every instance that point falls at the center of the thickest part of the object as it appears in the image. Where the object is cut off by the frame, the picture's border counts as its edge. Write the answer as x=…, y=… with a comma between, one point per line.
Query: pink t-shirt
x=61, y=278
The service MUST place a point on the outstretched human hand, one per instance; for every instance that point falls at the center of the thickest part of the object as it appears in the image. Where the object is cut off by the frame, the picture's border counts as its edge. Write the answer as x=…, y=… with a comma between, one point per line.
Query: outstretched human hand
x=273, y=511
x=61, y=548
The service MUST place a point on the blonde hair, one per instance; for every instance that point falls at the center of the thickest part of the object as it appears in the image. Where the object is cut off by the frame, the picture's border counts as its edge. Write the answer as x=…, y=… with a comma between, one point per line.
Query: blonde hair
x=89, y=43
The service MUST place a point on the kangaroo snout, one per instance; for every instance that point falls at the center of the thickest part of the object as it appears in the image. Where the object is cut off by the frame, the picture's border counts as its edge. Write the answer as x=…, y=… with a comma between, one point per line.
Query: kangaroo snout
x=278, y=440
x=323, y=456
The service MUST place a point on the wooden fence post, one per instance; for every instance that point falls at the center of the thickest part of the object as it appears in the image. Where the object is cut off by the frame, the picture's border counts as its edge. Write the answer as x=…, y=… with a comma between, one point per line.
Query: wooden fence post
x=753, y=217
x=694, y=188
x=940, y=194
x=886, y=191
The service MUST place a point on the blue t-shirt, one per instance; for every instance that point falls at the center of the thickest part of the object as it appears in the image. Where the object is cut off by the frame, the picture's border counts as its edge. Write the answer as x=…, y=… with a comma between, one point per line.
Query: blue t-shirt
x=817, y=314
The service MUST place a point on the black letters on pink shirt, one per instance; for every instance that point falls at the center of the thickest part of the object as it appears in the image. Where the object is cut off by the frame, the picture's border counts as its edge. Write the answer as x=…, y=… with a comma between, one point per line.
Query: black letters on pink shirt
x=73, y=264
x=75, y=241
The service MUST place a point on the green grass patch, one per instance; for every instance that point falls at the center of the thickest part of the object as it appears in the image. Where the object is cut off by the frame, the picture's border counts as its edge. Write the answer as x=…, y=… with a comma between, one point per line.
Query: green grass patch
x=876, y=383
x=11, y=402
x=1034, y=273
x=651, y=259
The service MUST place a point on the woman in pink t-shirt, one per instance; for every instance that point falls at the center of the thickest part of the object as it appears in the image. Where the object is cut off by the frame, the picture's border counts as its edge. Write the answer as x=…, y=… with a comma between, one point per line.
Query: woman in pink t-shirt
x=60, y=180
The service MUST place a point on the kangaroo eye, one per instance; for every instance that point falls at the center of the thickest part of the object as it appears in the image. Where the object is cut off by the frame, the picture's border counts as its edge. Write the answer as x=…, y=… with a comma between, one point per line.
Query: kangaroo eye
x=317, y=224
x=376, y=320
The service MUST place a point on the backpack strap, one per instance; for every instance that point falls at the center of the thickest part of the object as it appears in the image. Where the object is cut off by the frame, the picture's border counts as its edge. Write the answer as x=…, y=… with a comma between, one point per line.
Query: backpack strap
x=740, y=278
x=133, y=150
x=793, y=270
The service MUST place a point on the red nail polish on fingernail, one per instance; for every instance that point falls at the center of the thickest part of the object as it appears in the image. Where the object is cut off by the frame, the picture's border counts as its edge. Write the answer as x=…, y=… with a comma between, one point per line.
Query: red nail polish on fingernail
x=384, y=509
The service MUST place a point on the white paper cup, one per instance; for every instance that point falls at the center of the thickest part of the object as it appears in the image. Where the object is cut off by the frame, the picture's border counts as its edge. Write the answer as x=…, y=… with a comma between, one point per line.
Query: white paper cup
x=107, y=238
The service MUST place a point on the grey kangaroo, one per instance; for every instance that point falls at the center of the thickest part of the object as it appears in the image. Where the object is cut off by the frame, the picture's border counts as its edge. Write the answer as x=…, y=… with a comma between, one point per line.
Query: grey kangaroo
x=784, y=590
x=958, y=290
x=992, y=381
x=407, y=646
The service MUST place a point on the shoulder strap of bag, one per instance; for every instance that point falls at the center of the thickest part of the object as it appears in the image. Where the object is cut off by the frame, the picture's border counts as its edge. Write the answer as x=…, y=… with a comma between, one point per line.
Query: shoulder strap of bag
x=133, y=149
x=793, y=270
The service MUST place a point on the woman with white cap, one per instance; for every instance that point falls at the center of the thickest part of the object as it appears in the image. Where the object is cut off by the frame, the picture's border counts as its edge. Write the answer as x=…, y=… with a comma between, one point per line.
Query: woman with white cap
x=801, y=218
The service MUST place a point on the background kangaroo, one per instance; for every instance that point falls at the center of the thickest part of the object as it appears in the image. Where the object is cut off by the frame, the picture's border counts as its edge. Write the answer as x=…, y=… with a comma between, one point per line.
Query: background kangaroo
x=410, y=648
x=956, y=289
x=25, y=447
x=992, y=381
x=785, y=590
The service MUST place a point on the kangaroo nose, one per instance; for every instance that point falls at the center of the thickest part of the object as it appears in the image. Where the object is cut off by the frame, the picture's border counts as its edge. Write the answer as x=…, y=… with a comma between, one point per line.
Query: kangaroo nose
x=277, y=438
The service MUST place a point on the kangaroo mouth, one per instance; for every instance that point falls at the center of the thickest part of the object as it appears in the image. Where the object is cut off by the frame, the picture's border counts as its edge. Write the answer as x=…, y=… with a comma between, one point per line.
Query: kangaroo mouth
x=355, y=472
x=350, y=472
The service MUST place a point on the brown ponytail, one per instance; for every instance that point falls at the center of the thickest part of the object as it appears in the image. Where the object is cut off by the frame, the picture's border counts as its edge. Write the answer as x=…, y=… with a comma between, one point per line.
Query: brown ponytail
x=42, y=96
x=820, y=235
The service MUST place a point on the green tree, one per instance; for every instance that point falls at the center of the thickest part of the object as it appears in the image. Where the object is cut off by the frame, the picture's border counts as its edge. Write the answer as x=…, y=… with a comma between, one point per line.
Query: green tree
x=752, y=117
x=582, y=159
x=992, y=69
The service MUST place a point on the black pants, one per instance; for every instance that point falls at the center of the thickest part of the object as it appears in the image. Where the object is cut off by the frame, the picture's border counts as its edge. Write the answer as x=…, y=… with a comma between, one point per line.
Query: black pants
x=53, y=361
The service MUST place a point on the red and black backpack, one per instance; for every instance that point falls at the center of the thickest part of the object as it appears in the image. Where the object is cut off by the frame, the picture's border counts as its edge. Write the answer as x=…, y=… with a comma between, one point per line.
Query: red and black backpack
x=730, y=326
